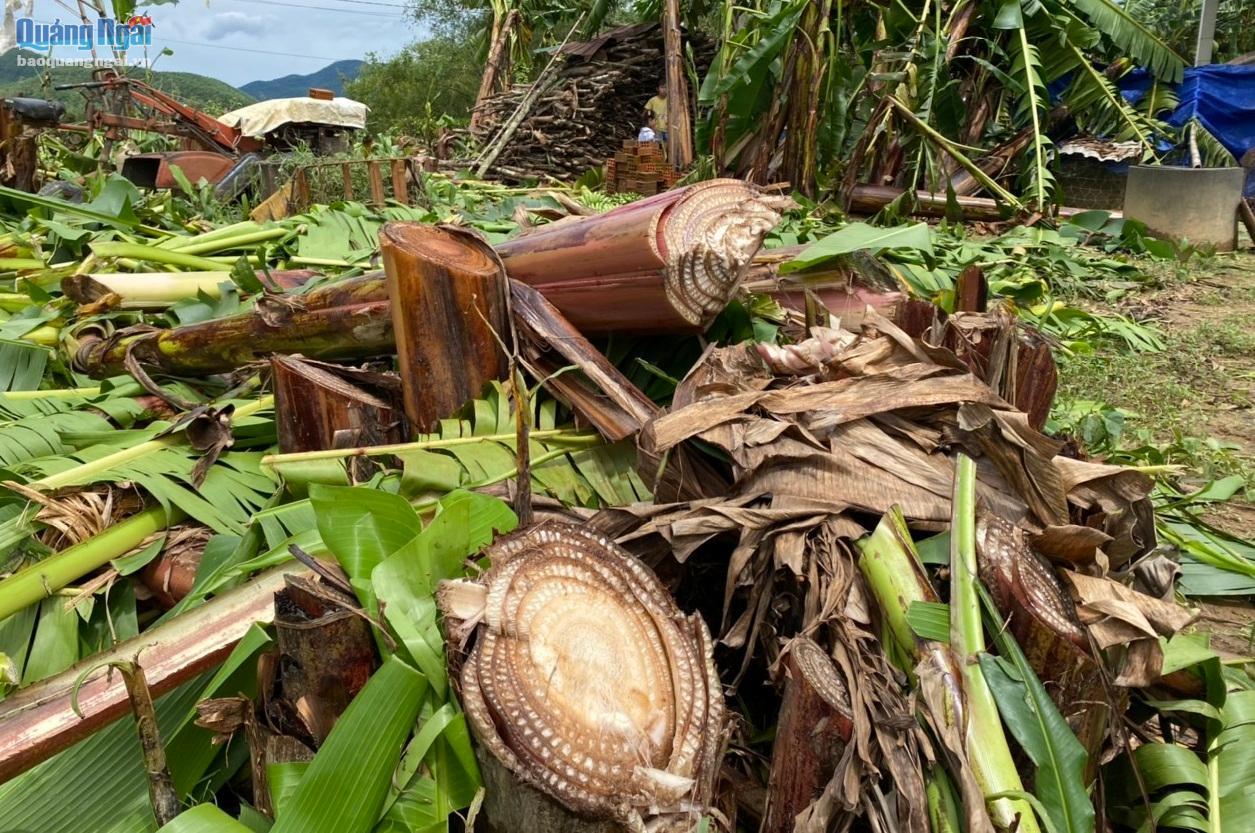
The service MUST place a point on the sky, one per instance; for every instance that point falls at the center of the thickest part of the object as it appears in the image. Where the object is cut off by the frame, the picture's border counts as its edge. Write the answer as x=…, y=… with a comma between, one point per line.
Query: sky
x=239, y=41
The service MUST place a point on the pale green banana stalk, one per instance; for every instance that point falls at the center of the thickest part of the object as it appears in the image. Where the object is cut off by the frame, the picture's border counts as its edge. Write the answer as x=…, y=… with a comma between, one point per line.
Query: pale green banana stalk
x=986, y=743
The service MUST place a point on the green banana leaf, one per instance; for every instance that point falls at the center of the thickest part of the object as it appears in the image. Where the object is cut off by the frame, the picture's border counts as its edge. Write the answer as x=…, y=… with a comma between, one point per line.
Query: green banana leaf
x=345, y=787
x=861, y=236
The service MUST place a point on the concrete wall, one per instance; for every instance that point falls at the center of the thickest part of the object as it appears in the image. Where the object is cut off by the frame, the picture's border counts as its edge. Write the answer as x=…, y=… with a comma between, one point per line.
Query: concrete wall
x=1199, y=205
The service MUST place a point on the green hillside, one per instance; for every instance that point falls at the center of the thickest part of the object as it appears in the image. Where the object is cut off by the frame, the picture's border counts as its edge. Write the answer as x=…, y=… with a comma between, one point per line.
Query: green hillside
x=331, y=77
x=208, y=94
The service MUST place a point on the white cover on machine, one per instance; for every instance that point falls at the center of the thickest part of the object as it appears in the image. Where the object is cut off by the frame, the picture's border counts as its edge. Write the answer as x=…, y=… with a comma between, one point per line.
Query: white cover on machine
x=266, y=116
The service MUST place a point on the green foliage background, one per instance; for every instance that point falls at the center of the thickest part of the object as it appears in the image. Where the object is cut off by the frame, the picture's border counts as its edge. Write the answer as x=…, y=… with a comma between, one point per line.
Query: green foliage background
x=1176, y=22
x=428, y=79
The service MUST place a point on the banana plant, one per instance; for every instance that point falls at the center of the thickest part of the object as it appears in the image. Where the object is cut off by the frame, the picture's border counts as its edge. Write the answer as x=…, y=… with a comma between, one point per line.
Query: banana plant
x=1204, y=787
x=970, y=74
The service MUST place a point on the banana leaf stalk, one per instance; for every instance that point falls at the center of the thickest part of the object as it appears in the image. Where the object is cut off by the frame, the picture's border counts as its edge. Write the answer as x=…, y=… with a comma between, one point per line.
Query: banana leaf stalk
x=156, y=289
x=152, y=254
x=896, y=577
x=956, y=153
x=320, y=261
x=160, y=290
x=44, y=578
x=895, y=574
x=985, y=741
x=301, y=475
x=20, y=264
x=80, y=473
x=227, y=243
x=14, y=301
x=51, y=393
x=277, y=462
x=180, y=242
x=48, y=335
x=51, y=715
x=231, y=260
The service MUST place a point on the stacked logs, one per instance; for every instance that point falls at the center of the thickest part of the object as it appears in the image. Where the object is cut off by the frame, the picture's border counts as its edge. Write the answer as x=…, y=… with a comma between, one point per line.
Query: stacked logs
x=592, y=104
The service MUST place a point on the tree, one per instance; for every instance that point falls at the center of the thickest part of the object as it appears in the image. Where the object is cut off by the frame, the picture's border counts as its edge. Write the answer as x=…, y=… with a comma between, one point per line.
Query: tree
x=411, y=91
x=1176, y=21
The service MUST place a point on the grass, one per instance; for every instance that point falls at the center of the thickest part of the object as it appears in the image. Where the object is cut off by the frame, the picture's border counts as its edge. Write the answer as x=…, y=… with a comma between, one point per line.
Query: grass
x=1192, y=404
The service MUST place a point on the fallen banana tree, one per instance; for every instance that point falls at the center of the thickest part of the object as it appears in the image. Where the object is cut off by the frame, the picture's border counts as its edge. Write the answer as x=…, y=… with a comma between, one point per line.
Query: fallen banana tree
x=670, y=262
x=590, y=694
x=830, y=484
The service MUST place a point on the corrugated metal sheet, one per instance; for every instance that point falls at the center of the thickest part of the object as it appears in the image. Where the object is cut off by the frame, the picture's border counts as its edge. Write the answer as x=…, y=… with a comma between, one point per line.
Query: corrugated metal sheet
x=1101, y=150
x=589, y=49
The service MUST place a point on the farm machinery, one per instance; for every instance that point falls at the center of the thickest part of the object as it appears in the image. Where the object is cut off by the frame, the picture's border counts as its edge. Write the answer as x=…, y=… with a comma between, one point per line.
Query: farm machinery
x=225, y=151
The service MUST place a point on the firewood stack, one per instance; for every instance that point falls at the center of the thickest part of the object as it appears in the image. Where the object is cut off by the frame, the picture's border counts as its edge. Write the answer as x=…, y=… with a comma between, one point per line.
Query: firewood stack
x=596, y=101
x=640, y=168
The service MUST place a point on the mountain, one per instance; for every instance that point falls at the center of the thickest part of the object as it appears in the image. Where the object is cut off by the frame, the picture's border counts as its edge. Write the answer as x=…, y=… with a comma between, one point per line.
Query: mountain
x=208, y=94
x=330, y=77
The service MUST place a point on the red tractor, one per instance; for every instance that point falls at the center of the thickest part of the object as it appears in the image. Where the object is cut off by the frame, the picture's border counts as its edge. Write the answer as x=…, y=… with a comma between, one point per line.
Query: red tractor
x=224, y=151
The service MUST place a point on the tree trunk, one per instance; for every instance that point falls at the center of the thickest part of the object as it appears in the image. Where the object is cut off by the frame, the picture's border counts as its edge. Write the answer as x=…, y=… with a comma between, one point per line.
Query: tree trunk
x=971, y=290
x=448, y=298
x=353, y=331
x=1013, y=359
x=767, y=139
x=959, y=22
x=869, y=199
x=317, y=408
x=630, y=729
x=325, y=655
x=814, y=727
x=1247, y=216
x=1042, y=618
x=497, y=64
x=513, y=806
x=496, y=67
x=665, y=264
x=679, y=121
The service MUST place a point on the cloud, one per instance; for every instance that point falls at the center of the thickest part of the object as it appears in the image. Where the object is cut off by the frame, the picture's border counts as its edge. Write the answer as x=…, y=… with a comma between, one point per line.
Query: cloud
x=225, y=24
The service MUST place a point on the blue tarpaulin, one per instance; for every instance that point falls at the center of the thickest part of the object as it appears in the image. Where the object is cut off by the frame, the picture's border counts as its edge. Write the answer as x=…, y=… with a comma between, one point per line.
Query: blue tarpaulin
x=1221, y=96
